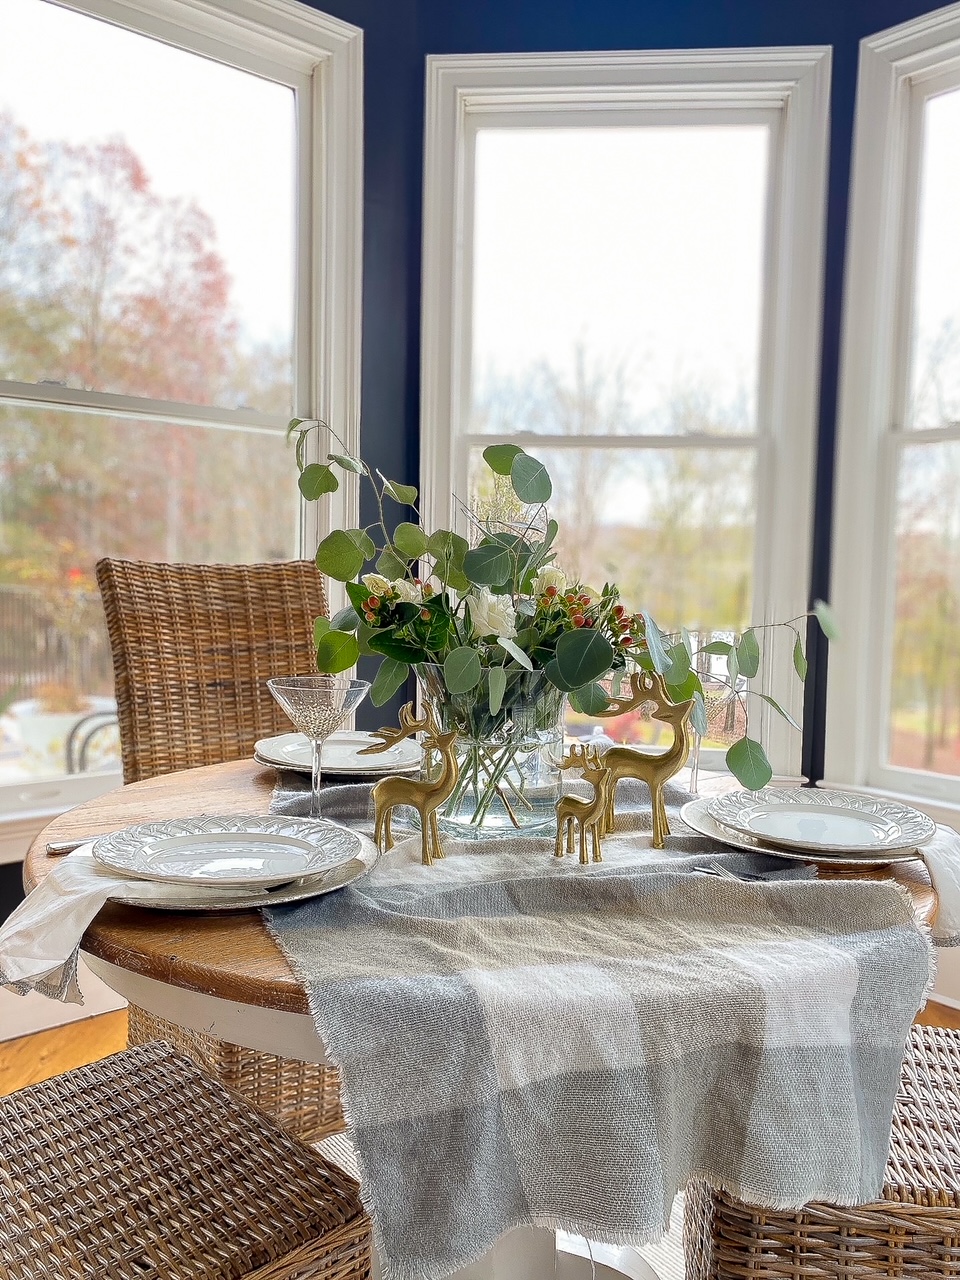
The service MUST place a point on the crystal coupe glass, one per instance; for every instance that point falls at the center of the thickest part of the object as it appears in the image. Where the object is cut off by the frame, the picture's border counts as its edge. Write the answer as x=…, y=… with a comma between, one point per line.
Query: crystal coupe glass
x=317, y=705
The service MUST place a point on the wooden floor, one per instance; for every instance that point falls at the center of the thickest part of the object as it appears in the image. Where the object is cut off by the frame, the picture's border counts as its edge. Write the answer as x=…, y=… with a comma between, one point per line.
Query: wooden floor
x=49, y=1053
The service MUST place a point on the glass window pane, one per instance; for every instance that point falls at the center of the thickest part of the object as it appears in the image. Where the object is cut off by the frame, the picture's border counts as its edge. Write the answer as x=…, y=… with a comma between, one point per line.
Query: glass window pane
x=74, y=487
x=146, y=216
x=672, y=527
x=617, y=279
x=935, y=372
x=924, y=729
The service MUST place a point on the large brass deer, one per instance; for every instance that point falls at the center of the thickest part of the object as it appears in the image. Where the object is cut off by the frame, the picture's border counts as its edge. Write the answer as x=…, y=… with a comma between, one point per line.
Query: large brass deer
x=424, y=796
x=653, y=769
x=575, y=811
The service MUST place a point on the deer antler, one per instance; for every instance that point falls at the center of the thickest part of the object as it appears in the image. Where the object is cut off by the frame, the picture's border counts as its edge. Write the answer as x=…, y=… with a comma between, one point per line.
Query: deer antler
x=409, y=725
x=582, y=757
x=645, y=686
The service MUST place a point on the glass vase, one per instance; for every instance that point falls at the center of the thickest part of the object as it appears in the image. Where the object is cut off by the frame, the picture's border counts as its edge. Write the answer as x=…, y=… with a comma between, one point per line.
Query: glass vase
x=508, y=761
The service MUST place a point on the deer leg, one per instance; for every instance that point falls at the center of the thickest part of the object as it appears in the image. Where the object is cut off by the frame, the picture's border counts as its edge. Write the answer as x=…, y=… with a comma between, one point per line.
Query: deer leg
x=595, y=833
x=608, y=813
x=661, y=828
x=435, y=833
x=558, y=843
x=583, y=844
x=388, y=828
x=570, y=822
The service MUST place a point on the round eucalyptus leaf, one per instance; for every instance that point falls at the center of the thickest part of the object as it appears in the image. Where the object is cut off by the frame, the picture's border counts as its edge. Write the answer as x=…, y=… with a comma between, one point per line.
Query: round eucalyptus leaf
x=499, y=457
x=339, y=556
x=317, y=479
x=337, y=651
x=347, y=462
x=390, y=565
x=748, y=763
x=530, y=479
x=461, y=669
x=410, y=540
x=497, y=684
x=406, y=494
x=748, y=654
x=487, y=566
x=582, y=656
x=387, y=681
x=591, y=699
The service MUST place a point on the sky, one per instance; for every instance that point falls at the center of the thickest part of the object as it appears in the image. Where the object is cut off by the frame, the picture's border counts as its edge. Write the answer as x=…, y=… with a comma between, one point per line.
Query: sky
x=204, y=131
x=643, y=244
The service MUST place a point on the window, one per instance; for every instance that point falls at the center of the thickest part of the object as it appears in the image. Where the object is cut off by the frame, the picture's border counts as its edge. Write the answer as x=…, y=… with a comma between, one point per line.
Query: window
x=894, y=688
x=179, y=275
x=622, y=275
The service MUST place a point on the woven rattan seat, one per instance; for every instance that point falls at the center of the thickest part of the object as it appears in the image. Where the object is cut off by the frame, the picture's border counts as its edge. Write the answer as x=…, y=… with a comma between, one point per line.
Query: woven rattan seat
x=914, y=1231
x=142, y=1167
x=303, y=1097
x=193, y=646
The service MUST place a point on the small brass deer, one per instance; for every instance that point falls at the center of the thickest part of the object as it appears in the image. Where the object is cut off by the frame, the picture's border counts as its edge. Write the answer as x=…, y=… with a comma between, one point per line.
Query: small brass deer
x=653, y=769
x=424, y=796
x=587, y=815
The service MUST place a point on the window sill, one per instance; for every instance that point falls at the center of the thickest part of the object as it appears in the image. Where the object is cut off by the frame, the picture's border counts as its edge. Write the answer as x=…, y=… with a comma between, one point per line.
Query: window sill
x=27, y=807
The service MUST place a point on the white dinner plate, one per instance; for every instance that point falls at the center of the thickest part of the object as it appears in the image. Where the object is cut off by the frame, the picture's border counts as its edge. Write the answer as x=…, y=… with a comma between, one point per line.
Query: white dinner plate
x=696, y=814
x=235, y=851
x=808, y=818
x=341, y=754
x=214, y=900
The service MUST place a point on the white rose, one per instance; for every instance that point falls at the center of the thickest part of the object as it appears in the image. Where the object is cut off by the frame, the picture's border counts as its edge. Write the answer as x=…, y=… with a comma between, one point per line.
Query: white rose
x=375, y=584
x=549, y=576
x=492, y=615
x=407, y=591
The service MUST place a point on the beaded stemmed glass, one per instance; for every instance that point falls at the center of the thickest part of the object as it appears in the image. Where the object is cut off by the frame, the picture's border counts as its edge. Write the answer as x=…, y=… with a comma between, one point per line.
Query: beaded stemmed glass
x=318, y=705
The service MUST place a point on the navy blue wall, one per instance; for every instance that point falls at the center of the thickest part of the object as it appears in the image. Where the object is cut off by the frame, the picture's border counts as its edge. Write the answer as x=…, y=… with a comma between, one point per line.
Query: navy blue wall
x=400, y=33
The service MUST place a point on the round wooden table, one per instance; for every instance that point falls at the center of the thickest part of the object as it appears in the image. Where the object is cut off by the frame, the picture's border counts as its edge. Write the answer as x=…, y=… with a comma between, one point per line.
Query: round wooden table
x=224, y=974
x=232, y=956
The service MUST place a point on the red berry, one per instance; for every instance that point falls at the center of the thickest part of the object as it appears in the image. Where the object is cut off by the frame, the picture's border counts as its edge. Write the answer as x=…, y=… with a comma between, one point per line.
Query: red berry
x=577, y=619
x=628, y=640
x=551, y=592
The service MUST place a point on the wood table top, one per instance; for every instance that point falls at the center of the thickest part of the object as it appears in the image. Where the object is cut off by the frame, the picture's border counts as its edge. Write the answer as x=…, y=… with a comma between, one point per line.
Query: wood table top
x=231, y=955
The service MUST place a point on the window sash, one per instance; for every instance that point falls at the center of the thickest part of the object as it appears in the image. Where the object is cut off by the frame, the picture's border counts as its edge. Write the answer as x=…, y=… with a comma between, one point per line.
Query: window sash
x=320, y=58
x=467, y=93
x=900, y=70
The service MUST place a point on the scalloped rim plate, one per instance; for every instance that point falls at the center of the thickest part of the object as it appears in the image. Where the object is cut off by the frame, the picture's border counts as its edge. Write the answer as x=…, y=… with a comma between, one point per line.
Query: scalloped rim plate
x=340, y=754
x=214, y=901
x=228, y=850
x=695, y=813
x=823, y=821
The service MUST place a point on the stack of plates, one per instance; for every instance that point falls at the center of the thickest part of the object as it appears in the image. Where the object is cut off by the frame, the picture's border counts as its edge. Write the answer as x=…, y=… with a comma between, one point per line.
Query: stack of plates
x=813, y=825
x=260, y=861
x=340, y=755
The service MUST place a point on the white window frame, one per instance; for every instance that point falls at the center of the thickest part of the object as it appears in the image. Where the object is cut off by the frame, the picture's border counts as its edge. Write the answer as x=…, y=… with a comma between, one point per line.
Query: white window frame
x=899, y=69
x=788, y=88
x=321, y=59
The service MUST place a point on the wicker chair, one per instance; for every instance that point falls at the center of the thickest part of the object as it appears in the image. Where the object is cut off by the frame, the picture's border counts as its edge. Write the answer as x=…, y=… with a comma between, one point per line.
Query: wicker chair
x=193, y=646
x=914, y=1231
x=140, y=1166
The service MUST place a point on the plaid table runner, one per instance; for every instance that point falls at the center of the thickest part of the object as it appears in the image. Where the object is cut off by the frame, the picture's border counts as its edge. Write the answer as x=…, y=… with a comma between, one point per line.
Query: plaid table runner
x=527, y=1041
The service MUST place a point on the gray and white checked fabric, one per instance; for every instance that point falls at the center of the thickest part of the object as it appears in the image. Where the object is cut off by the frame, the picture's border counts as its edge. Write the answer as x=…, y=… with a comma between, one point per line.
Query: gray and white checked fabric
x=527, y=1041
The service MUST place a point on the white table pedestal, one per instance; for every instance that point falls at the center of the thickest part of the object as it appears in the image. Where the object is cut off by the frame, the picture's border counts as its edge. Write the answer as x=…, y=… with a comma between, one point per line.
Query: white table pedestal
x=526, y=1253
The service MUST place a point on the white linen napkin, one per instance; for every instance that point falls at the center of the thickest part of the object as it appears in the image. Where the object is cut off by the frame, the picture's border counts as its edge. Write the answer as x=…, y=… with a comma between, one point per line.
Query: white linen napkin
x=40, y=940
x=942, y=856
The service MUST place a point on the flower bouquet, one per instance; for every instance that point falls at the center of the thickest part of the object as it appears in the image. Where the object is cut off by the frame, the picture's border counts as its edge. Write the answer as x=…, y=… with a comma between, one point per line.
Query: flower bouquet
x=498, y=636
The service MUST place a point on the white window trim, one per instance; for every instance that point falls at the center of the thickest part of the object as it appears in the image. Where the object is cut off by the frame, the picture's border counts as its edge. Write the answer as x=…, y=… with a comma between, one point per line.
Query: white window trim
x=322, y=58
x=794, y=83
x=894, y=68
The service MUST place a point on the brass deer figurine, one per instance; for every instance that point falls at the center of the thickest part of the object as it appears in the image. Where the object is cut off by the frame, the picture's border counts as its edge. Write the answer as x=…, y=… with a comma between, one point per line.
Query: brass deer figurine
x=424, y=796
x=587, y=815
x=653, y=769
